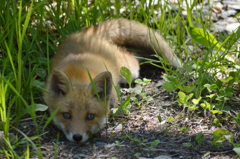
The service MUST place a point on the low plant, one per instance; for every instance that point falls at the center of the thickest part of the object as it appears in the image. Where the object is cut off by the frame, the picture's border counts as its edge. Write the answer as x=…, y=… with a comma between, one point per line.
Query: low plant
x=221, y=135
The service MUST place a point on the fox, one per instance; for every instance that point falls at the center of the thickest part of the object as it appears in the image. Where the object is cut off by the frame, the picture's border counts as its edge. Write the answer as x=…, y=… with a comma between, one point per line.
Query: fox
x=86, y=69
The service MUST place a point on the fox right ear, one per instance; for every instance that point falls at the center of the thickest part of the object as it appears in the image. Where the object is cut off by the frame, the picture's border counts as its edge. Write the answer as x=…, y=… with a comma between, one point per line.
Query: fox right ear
x=103, y=85
x=59, y=84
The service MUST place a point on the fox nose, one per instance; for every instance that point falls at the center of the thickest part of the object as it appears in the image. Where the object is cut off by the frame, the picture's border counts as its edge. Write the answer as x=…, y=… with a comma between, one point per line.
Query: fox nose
x=77, y=137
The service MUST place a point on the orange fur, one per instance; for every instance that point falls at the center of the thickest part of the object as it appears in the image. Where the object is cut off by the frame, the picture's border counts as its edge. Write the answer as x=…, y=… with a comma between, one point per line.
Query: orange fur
x=97, y=53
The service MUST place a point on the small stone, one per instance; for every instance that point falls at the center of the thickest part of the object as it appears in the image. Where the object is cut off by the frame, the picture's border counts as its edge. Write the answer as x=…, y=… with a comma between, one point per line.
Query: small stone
x=232, y=12
x=163, y=157
x=190, y=48
x=159, y=83
x=219, y=28
x=80, y=155
x=184, y=13
x=119, y=127
x=218, y=6
x=232, y=27
x=223, y=23
x=100, y=143
x=235, y=7
x=231, y=20
x=228, y=13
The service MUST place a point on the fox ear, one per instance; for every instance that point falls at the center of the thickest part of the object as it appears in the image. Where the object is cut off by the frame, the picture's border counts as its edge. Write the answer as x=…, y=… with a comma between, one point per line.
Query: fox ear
x=102, y=84
x=59, y=84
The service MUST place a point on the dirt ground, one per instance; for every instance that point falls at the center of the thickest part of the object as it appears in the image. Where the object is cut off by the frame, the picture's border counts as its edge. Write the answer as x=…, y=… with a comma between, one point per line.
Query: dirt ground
x=132, y=136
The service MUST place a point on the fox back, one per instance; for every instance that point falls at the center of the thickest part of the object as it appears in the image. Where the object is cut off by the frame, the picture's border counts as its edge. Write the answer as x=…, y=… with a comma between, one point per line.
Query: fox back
x=87, y=67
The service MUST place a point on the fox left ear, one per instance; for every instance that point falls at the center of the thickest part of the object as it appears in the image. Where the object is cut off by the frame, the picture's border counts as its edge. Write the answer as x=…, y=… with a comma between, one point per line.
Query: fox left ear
x=102, y=84
x=59, y=84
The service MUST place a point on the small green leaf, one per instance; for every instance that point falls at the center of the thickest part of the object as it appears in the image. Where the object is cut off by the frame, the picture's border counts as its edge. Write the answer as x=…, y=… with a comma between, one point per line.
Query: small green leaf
x=192, y=107
x=171, y=79
x=171, y=118
x=237, y=119
x=169, y=86
x=199, y=138
x=189, y=96
x=219, y=84
x=182, y=96
x=211, y=87
x=155, y=142
x=226, y=79
x=139, y=81
x=229, y=137
x=216, y=122
x=42, y=60
x=187, y=89
x=206, y=105
x=38, y=84
x=127, y=75
x=138, y=89
x=204, y=38
x=237, y=150
x=159, y=118
x=219, y=135
x=40, y=107
x=187, y=144
x=148, y=98
x=229, y=92
x=216, y=112
x=146, y=81
x=41, y=73
x=185, y=129
x=210, y=96
x=137, y=154
x=196, y=101
x=206, y=154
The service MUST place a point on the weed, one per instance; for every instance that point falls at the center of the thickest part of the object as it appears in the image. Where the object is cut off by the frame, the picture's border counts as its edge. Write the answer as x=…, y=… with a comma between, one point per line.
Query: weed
x=138, y=90
x=221, y=135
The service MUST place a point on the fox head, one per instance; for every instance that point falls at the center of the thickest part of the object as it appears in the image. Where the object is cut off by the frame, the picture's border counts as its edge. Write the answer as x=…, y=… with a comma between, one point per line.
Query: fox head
x=81, y=108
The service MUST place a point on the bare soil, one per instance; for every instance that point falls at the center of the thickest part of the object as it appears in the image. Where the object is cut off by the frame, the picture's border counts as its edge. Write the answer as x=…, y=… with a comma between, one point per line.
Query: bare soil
x=132, y=136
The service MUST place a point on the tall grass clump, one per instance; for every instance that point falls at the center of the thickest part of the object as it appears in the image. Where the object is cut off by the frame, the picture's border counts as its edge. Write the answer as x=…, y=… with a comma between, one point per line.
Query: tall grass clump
x=21, y=73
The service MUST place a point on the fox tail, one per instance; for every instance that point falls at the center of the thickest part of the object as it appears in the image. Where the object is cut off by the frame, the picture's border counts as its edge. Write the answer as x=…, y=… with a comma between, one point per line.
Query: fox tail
x=134, y=35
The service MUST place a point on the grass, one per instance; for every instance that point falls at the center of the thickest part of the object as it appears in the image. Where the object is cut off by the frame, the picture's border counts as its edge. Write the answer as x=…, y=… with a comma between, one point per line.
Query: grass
x=31, y=32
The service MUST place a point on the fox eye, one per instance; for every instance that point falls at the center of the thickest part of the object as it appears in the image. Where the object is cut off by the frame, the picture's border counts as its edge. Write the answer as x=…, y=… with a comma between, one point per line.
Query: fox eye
x=67, y=116
x=90, y=116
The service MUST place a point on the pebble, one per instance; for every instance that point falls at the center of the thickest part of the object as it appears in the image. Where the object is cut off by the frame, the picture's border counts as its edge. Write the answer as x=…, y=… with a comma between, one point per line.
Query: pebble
x=80, y=155
x=158, y=157
x=100, y=143
x=231, y=20
x=159, y=83
x=119, y=127
x=232, y=27
x=162, y=157
x=218, y=27
x=236, y=7
x=218, y=6
x=228, y=13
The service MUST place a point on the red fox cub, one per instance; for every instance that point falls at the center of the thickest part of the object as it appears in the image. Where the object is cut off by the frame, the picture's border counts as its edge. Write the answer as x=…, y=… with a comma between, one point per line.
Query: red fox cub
x=86, y=68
